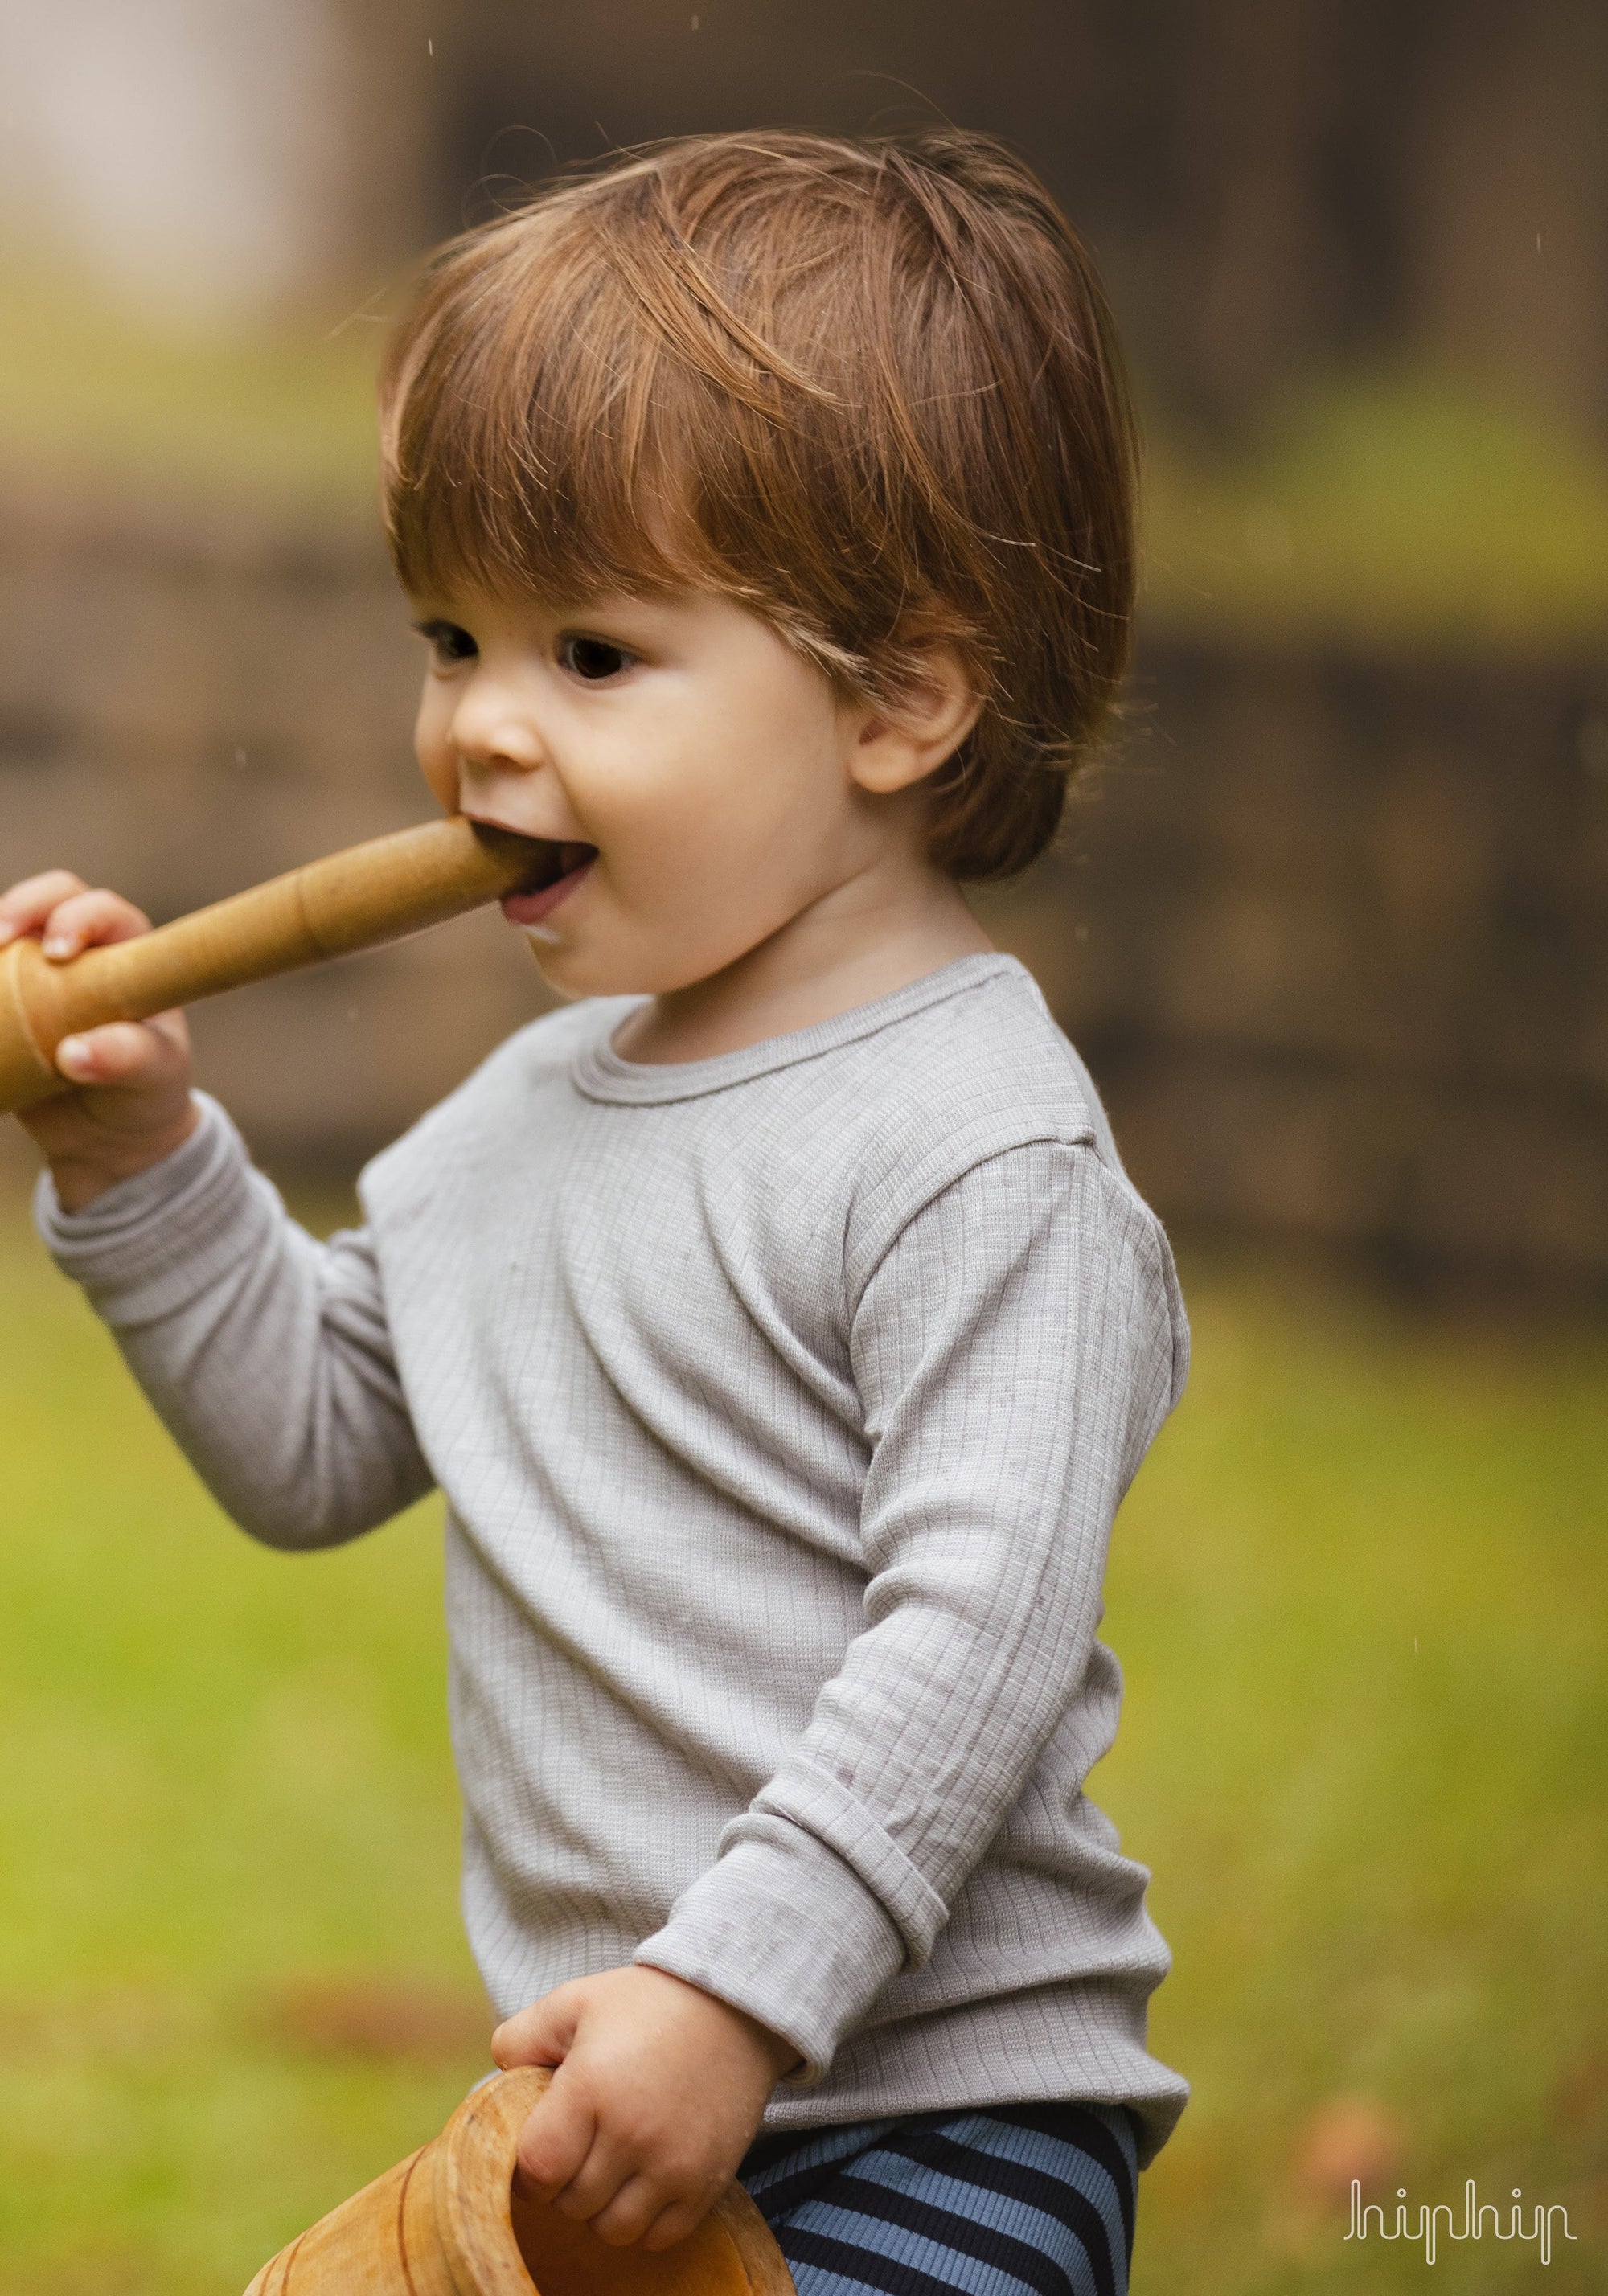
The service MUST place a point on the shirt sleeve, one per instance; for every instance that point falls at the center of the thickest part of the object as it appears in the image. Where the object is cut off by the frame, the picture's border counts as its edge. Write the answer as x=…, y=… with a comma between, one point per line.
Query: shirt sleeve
x=1016, y=1349
x=265, y=1352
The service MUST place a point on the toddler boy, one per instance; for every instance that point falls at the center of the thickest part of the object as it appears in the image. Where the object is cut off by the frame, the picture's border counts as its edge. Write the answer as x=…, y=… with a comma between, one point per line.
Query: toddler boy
x=776, y=1318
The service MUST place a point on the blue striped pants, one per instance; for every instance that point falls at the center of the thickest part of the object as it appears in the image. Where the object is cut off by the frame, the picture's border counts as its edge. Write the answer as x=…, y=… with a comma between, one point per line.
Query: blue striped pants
x=1005, y=2199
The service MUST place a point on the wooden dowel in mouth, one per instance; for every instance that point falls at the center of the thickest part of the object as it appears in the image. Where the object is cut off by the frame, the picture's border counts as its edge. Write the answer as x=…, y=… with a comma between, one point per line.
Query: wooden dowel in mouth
x=358, y=898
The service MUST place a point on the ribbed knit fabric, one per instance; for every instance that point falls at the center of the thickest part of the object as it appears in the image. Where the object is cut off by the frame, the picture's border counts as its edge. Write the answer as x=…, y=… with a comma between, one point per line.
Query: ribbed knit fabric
x=1018, y=2199
x=782, y=1402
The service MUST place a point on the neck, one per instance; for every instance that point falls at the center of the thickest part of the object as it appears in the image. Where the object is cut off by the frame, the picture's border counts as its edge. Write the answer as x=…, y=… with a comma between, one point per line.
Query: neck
x=858, y=942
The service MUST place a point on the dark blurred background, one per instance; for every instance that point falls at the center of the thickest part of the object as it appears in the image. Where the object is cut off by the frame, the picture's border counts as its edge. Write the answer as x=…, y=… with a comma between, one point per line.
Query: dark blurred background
x=1331, y=923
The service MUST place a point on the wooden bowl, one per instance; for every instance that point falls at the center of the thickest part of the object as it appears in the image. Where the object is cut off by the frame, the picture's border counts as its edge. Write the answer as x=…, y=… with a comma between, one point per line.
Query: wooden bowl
x=446, y=2222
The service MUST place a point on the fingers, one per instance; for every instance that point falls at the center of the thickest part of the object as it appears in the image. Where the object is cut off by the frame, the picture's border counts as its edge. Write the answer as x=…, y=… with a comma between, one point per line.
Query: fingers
x=555, y=2144
x=25, y=906
x=654, y=2208
x=571, y=2163
x=67, y=915
x=610, y=2177
x=637, y=2204
x=673, y=2223
x=91, y=920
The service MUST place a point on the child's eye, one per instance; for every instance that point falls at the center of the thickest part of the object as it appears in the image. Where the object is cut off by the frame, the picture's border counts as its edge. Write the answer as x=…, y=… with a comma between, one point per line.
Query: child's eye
x=592, y=659
x=448, y=641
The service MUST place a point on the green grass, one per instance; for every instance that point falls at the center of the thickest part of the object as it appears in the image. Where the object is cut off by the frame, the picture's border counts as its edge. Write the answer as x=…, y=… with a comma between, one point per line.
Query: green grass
x=1359, y=1592
x=1400, y=510
x=1358, y=1595
x=227, y=1818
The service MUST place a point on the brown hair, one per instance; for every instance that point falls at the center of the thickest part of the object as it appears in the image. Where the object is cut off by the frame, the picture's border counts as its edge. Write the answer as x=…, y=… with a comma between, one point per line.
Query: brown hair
x=870, y=390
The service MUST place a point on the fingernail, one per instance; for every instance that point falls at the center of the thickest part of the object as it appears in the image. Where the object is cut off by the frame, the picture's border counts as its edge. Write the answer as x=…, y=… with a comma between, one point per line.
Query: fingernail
x=74, y=1055
x=7, y=932
x=58, y=945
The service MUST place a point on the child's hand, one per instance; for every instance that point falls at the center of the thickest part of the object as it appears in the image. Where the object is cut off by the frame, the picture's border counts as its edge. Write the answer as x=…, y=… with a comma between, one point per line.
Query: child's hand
x=131, y=1106
x=658, y=2092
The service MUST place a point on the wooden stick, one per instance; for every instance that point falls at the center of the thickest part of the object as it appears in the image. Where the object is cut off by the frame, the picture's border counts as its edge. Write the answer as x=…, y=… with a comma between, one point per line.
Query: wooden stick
x=355, y=899
x=446, y=2223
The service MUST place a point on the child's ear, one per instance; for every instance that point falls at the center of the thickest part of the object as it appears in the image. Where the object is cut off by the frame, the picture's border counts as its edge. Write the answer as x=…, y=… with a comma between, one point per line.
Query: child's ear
x=900, y=745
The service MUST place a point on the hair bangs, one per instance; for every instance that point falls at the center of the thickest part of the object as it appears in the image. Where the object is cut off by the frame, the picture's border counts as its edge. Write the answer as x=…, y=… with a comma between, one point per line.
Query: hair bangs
x=534, y=430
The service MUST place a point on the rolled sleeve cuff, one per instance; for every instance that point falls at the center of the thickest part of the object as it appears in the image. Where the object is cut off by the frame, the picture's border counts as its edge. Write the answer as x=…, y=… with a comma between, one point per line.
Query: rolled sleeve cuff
x=804, y=1918
x=148, y=1246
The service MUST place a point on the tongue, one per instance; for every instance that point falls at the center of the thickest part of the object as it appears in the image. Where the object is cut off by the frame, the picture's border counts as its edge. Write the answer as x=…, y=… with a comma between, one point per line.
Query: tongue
x=527, y=909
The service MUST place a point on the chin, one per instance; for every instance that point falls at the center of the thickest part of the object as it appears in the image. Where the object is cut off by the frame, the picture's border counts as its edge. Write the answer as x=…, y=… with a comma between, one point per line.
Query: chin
x=590, y=971
x=576, y=972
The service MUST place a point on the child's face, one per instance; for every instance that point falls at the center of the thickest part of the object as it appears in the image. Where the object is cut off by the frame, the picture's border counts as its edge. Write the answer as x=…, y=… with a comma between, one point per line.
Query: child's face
x=702, y=784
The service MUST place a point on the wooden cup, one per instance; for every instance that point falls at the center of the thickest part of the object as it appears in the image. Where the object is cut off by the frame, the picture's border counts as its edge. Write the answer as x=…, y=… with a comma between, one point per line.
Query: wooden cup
x=356, y=899
x=446, y=2222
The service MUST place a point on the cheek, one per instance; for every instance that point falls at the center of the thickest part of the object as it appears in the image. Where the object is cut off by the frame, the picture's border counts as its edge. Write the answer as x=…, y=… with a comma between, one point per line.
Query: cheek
x=738, y=778
x=432, y=749
x=641, y=798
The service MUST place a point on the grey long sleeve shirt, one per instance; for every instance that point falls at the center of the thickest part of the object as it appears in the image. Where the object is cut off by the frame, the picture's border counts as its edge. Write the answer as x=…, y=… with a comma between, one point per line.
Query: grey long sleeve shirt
x=782, y=1402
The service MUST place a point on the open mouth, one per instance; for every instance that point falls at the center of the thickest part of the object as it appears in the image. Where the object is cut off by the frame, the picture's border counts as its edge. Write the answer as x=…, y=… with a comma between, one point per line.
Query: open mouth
x=561, y=864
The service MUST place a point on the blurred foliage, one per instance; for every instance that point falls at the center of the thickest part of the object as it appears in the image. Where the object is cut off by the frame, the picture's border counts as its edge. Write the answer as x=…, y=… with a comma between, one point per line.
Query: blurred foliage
x=1397, y=510
x=1358, y=1592
x=90, y=397
x=1400, y=510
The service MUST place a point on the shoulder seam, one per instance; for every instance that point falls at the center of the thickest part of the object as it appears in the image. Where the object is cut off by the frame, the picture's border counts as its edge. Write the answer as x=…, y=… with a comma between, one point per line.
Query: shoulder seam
x=1064, y=1138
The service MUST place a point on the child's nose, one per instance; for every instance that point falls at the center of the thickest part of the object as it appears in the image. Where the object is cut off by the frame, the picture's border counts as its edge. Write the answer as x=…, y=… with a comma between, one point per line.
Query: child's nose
x=488, y=732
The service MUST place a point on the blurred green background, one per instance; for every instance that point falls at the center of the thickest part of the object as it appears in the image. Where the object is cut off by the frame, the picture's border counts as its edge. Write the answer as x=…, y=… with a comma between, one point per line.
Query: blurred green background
x=1335, y=934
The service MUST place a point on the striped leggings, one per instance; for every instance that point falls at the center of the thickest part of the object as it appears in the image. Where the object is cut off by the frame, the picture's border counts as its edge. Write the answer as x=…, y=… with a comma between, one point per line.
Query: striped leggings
x=1007, y=2199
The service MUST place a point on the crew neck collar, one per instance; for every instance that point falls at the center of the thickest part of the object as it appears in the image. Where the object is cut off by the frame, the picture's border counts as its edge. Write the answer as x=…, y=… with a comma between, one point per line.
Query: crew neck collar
x=600, y=1072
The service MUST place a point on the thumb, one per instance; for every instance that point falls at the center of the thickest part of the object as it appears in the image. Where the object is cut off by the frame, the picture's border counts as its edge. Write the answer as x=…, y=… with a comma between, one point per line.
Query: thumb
x=542, y=2034
x=129, y=1055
